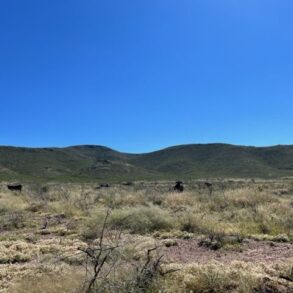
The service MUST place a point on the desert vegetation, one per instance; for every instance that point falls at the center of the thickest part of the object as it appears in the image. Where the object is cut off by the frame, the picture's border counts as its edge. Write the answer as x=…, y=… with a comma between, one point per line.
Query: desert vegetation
x=88, y=163
x=234, y=236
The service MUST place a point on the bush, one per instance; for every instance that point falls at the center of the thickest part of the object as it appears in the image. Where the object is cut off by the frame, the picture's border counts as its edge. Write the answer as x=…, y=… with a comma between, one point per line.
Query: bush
x=210, y=280
x=15, y=252
x=199, y=224
x=140, y=220
x=176, y=200
x=12, y=220
x=220, y=240
x=215, y=278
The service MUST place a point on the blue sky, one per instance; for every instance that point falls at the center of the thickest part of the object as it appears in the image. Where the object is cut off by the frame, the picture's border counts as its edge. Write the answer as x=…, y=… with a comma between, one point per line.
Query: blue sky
x=141, y=75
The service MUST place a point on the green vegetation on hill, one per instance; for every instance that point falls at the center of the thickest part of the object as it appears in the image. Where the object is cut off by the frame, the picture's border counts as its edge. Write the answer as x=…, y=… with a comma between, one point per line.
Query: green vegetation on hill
x=98, y=163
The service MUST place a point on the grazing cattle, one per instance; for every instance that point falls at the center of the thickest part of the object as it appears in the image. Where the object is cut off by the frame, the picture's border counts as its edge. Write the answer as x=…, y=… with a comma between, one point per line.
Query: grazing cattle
x=208, y=184
x=127, y=183
x=179, y=186
x=15, y=187
x=106, y=185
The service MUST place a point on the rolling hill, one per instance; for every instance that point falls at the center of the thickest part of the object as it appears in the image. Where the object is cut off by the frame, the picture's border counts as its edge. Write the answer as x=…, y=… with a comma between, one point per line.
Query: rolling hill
x=98, y=163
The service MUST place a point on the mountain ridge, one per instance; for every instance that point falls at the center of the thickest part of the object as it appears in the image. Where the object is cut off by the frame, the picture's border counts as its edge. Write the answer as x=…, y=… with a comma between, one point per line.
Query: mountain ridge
x=88, y=163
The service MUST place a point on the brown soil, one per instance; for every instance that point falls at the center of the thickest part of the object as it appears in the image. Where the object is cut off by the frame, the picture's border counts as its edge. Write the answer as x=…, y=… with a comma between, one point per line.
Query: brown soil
x=188, y=251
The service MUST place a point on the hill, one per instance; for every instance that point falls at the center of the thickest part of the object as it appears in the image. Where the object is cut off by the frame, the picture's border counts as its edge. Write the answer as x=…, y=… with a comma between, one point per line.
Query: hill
x=98, y=163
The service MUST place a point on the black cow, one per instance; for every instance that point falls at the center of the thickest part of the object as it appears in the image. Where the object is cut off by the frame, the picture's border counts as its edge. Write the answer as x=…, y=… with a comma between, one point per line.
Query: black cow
x=209, y=187
x=128, y=183
x=15, y=187
x=208, y=184
x=106, y=185
x=179, y=186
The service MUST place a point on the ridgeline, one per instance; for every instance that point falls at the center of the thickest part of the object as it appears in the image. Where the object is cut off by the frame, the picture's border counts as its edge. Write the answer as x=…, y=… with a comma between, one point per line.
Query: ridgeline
x=89, y=163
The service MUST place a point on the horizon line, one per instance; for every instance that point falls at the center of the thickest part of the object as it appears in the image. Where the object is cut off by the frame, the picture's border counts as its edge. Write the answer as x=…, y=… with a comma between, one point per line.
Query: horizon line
x=146, y=152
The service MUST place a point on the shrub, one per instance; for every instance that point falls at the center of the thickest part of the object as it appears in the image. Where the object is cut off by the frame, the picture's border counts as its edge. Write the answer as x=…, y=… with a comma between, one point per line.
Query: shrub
x=215, y=278
x=12, y=220
x=210, y=280
x=199, y=224
x=140, y=220
x=217, y=241
x=175, y=200
x=15, y=252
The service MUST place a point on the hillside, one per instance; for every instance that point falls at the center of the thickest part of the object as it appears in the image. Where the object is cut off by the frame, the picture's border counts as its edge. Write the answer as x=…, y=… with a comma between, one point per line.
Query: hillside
x=98, y=163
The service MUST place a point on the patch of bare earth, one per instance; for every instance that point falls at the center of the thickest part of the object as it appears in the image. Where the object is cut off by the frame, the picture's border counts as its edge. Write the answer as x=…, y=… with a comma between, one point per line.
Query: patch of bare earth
x=189, y=251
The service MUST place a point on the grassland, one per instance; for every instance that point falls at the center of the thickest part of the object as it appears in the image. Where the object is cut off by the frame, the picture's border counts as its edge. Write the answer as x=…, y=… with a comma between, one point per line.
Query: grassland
x=98, y=164
x=234, y=237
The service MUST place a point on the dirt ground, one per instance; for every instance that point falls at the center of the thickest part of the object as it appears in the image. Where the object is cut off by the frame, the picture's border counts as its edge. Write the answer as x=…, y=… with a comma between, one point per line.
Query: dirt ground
x=189, y=251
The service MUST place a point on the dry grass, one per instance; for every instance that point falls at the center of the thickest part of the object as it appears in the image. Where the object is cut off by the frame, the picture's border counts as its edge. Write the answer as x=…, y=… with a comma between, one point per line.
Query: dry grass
x=58, y=280
x=46, y=258
x=237, y=277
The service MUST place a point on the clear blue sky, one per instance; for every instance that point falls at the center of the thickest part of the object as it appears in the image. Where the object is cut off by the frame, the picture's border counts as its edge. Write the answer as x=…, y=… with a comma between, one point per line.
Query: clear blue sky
x=141, y=75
